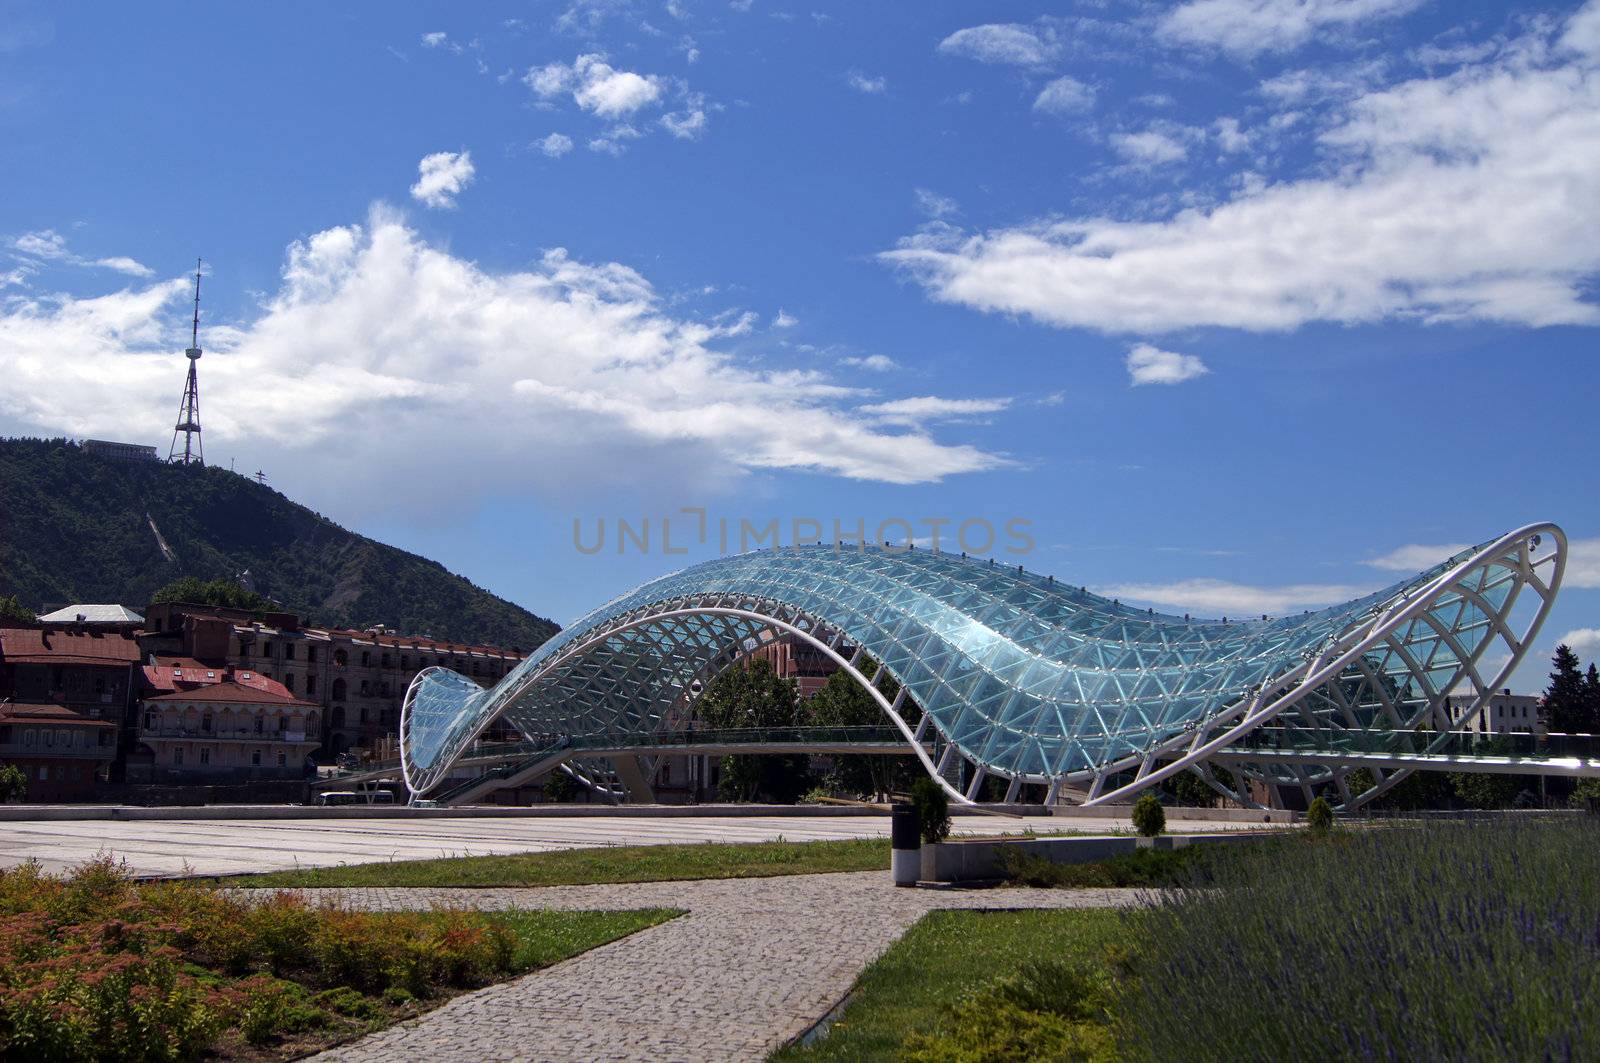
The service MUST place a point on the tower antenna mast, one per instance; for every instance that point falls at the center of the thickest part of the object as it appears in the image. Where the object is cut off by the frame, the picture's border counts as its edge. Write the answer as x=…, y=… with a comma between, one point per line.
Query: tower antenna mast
x=188, y=426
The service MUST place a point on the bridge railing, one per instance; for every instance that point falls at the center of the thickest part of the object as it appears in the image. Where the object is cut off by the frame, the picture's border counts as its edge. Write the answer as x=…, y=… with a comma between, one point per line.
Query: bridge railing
x=1420, y=743
x=515, y=757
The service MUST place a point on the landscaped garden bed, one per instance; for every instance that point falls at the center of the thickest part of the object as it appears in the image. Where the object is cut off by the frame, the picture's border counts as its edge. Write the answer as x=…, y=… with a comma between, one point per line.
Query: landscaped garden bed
x=1461, y=941
x=95, y=966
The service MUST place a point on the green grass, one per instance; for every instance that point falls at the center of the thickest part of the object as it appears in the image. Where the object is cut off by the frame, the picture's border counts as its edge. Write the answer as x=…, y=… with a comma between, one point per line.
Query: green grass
x=574, y=867
x=546, y=937
x=944, y=957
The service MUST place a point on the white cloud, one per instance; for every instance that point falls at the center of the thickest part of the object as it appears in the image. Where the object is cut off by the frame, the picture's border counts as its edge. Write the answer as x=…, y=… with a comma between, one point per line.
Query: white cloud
x=1230, y=138
x=435, y=40
x=1064, y=95
x=934, y=205
x=870, y=85
x=784, y=320
x=1415, y=557
x=1152, y=365
x=685, y=125
x=1004, y=43
x=596, y=86
x=442, y=176
x=877, y=363
x=1149, y=148
x=49, y=245
x=925, y=408
x=1470, y=196
x=403, y=354
x=613, y=141
x=1584, y=641
x=1235, y=600
x=555, y=145
x=124, y=264
x=1247, y=28
x=1583, y=564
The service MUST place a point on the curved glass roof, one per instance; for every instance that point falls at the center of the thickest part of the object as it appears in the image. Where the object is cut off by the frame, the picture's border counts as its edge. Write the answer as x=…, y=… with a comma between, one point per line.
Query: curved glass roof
x=1025, y=675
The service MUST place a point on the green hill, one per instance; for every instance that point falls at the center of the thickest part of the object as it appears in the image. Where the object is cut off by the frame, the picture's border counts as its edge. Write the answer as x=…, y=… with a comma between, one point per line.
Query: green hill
x=75, y=527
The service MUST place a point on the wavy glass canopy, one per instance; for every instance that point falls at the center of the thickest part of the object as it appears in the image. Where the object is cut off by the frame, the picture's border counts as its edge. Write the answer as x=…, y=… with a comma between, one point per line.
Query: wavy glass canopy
x=1019, y=675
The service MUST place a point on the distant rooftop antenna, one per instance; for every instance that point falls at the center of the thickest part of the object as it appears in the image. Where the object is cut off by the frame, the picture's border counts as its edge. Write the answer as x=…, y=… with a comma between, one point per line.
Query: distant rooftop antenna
x=260, y=477
x=189, y=409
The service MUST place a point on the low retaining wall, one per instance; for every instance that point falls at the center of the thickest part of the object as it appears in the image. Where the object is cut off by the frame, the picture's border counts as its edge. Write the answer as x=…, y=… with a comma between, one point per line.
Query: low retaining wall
x=1227, y=815
x=14, y=813
x=979, y=861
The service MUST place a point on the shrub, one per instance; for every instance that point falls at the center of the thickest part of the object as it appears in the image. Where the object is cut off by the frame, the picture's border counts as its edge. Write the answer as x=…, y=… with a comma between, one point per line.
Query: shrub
x=933, y=809
x=271, y=1007
x=1319, y=816
x=397, y=996
x=1044, y=1011
x=1164, y=868
x=560, y=786
x=1333, y=950
x=1149, y=818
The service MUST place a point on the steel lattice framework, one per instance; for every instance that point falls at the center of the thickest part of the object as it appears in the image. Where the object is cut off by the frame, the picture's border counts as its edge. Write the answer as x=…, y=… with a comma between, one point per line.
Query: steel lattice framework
x=1023, y=678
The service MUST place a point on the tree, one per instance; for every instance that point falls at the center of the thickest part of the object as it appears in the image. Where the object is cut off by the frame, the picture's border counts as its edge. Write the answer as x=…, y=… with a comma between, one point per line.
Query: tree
x=13, y=784
x=752, y=695
x=1565, y=708
x=843, y=702
x=13, y=611
x=219, y=592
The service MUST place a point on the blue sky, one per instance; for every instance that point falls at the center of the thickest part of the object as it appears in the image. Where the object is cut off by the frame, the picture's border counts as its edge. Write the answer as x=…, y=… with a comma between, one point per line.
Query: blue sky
x=1228, y=299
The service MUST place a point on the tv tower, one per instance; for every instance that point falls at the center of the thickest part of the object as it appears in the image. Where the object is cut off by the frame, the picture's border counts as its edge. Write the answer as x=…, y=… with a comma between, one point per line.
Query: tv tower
x=189, y=409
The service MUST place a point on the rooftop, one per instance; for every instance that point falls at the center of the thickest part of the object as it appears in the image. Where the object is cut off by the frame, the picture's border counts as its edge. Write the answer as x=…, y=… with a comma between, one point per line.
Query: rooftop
x=92, y=614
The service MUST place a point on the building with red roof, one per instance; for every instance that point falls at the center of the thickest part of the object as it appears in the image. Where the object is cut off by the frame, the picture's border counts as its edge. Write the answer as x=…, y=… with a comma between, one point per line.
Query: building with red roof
x=65, y=690
x=199, y=723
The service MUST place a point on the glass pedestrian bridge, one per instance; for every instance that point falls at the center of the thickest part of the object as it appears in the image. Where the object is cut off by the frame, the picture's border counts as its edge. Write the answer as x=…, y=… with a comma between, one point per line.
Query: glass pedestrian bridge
x=1001, y=673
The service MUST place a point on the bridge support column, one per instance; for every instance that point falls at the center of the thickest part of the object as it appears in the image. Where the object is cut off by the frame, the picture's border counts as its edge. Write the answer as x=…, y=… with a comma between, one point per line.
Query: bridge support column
x=631, y=771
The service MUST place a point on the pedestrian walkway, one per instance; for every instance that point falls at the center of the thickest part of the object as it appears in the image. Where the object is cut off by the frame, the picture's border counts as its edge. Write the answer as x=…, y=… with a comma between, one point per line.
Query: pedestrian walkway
x=753, y=963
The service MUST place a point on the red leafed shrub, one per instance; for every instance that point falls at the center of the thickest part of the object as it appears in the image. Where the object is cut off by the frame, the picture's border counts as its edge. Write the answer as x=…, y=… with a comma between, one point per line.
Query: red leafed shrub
x=96, y=966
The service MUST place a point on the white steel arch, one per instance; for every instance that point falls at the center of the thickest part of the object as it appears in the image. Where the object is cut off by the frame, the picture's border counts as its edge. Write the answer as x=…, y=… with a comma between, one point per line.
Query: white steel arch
x=1023, y=678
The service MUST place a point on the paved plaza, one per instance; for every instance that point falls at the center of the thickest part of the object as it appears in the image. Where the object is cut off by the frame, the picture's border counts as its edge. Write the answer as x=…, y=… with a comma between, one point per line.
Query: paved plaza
x=224, y=847
x=753, y=964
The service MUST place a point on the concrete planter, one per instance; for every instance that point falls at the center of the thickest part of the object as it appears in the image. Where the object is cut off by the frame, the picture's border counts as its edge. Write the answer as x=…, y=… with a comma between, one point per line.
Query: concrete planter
x=979, y=861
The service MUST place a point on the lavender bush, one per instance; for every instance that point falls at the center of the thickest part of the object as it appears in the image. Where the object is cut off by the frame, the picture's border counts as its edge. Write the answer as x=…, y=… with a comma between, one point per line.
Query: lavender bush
x=1470, y=941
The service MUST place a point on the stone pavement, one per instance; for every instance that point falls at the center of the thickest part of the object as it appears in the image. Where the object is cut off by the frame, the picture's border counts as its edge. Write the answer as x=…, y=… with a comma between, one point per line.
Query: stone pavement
x=753, y=964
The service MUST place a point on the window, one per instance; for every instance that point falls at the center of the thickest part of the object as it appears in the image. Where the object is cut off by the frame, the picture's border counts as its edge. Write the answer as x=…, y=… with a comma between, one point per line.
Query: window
x=311, y=654
x=288, y=682
x=283, y=723
x=338, y=690
x=366, y=659
x=340, y=657
x=27, y=737
x=260, y=725
x=255, y=758
x=283, y=760
x=205, y=723
x=288, y=651
x=44, y=772
x=177, y=755
x=365, y=689
x=149, y=721
x=205, y=755
x=244, y=648
x=49, y=738
x=405, y=660
x=385, y=660
x=311, y=684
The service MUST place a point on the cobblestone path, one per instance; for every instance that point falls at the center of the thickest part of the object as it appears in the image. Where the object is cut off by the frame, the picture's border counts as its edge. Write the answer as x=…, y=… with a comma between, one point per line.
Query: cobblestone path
x=754, y=963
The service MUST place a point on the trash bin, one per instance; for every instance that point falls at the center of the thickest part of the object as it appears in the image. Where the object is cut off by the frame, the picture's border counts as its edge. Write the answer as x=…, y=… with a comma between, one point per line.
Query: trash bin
x=905, y=844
